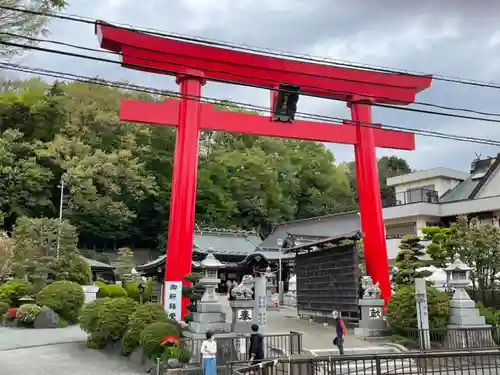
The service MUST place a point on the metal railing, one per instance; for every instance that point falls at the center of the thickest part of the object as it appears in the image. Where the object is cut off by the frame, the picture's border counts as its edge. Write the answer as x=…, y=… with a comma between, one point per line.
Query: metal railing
x=450, y=338
x=231, y=348
x=456, y=363
x=414, y=196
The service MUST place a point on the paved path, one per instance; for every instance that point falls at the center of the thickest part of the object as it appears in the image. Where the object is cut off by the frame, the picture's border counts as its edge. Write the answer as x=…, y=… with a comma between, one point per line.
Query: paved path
x=62, y=351
x=14, y=338
x=315, y=337
x=64, y=359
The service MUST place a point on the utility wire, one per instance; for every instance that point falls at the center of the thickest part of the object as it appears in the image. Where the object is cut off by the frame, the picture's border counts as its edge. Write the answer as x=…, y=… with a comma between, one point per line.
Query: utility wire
x=238, y=105
x=265, y=51
x=170, y=72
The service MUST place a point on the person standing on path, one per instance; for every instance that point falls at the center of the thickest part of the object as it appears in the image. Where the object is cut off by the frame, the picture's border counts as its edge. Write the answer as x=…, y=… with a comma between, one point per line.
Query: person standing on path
x=209, y=351
x=338, y=341
x=256, y=349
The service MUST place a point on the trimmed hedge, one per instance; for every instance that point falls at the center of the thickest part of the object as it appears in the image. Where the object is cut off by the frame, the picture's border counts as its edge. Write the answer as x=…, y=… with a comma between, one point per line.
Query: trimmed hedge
x=110, y=290
x=143, y=316
x=132, y=289
x=105, y=320
x=13, y=290
x=64, y=297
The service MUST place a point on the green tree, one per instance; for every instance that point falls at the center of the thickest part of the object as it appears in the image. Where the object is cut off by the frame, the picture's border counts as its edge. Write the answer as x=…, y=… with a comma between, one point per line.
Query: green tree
x=124, y=264
x=26, y=185
x=24, y=24
x=479, y=247
x=45, y=251
x=409, y=260
x=6, y=256
x=388, y=166
x=442, y=247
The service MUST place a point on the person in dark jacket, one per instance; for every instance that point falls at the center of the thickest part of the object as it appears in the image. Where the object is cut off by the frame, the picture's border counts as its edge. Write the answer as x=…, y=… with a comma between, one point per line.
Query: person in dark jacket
x=256, y=349
x=340, y=331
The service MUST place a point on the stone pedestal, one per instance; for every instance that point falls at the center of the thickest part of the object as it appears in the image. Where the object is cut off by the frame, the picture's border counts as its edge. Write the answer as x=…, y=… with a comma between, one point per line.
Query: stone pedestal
x=242, y=315
x=467, y=328
x=90, y=293
x=372, y=323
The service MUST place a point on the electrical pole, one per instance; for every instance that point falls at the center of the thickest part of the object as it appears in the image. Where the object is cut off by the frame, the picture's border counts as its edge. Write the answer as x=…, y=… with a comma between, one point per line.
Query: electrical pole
x=61, y=200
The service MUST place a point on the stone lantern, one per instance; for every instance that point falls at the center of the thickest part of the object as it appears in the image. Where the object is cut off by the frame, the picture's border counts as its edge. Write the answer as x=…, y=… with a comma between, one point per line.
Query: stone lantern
x=209, y=313
x=210, y=279
x=466, y=328
x=458, y=274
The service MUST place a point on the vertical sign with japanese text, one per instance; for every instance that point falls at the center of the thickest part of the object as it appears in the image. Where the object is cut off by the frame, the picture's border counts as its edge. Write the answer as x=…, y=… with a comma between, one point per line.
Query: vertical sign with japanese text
x=173, y=299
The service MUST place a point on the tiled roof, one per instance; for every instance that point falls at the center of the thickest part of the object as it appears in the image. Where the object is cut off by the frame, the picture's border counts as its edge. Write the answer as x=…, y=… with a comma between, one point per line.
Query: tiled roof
x=220, y=242
x=316, y=227
x=97, y=264
x=469, y=188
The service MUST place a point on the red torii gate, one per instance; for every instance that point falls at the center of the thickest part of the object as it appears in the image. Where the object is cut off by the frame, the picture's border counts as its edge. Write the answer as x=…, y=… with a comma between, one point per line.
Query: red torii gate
x=193, y=63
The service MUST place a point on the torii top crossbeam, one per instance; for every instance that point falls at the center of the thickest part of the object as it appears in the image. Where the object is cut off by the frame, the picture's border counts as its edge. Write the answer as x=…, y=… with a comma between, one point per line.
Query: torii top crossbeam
x=195, y=62
x=171, y=56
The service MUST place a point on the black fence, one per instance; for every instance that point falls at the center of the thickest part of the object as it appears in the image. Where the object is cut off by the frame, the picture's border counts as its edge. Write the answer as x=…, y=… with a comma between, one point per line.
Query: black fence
x=232, y=348
x=477, y=338
x=478, y=362
x=456, y=363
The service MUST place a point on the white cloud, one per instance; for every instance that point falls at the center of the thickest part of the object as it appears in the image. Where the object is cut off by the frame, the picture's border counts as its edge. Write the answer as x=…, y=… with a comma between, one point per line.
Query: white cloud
x=433, y=36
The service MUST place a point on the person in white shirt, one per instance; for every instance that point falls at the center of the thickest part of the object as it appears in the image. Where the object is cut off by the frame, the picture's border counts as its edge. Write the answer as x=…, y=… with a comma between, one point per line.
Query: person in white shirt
x=209, y=352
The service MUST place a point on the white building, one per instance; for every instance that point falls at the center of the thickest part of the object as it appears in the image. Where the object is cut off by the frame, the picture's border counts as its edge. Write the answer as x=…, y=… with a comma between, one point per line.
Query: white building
x=437, y=196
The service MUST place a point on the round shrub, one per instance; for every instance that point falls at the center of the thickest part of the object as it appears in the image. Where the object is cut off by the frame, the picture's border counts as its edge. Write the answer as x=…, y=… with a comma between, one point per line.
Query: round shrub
x=402, y=311
x=133, y=290
x=4, y=306
x=15, y=289
x=26, y=314
x=64, y=297
x=116, y=291
x=106, y=320
x=90, y=314
x=152, y=335
x=143, y=316
x=103, y=290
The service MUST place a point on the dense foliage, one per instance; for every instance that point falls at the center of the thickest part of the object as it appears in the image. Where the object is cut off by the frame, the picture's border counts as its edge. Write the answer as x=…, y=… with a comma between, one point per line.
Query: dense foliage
x=408, y=261
x=105, y=320
x=142, y=317
x=13, y=290
x=117, y=175
x=402, y=311
x=64, y=297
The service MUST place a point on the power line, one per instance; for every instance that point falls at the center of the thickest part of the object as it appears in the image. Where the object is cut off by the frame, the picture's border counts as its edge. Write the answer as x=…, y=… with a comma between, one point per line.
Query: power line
x=162, y=71
x=238, y=105
x=260, y=50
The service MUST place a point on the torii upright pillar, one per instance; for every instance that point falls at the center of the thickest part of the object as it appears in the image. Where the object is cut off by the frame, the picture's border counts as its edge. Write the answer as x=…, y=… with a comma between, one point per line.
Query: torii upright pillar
x=192, y=63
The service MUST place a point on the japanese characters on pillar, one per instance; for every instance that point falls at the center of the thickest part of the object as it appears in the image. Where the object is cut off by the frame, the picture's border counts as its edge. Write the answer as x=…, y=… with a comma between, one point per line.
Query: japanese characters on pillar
x=173, y=299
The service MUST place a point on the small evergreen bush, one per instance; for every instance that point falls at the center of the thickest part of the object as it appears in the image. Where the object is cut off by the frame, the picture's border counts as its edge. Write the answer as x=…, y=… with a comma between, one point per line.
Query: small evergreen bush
x=26, y=314
x=105, y=320
x=64, y=297
x=143, y=316
x=13, y=290
x=402, y=311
